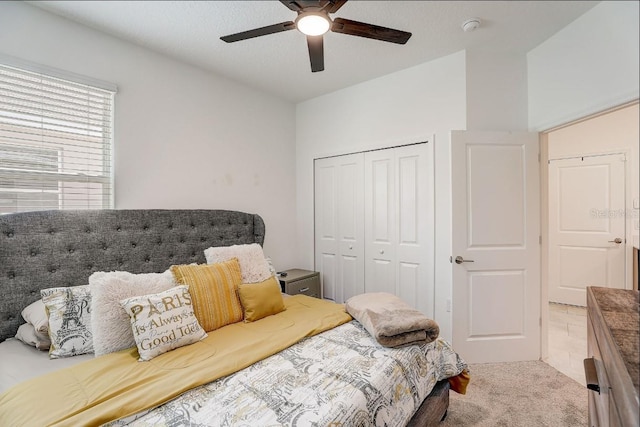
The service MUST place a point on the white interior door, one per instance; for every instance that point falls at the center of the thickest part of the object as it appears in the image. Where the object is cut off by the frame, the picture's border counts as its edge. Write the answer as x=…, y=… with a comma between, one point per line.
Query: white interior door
x=586, y=226
x=495, y=239
x=339, y=225
x=399, y=248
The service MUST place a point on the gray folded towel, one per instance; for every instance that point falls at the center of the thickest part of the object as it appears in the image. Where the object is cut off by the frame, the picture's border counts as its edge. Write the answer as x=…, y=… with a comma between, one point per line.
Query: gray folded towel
x=390, y=320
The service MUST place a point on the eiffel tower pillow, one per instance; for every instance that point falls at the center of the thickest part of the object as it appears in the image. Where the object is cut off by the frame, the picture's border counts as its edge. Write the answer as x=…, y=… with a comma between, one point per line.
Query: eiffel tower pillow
x=69, y=312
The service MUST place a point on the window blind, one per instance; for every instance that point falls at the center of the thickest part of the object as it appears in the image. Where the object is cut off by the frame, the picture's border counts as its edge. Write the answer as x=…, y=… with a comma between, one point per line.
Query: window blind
x=56, y=140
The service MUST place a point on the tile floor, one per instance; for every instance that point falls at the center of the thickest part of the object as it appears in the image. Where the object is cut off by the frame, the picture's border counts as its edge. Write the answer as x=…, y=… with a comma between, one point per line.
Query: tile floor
x=568, y=340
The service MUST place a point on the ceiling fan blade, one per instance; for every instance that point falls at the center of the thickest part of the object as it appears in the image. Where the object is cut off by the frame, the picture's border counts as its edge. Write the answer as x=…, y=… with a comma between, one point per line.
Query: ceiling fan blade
x=334, y=5
x=316, y=52
x=355, y=28
x=257, y=32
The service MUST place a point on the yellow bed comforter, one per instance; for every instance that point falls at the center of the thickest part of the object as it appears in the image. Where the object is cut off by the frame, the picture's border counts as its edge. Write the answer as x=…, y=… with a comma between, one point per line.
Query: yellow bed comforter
x=117, y=385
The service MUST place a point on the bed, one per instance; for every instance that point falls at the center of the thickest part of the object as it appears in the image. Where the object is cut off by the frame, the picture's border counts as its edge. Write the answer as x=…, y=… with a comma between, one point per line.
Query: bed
x=335, y=374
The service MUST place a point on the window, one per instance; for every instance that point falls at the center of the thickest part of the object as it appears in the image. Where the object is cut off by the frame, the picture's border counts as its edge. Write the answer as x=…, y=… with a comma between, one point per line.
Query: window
x=56, y=139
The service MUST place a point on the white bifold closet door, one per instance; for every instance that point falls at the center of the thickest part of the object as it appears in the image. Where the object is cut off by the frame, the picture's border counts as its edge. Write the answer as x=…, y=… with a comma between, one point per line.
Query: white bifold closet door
x=374, y=224
x=339, y=225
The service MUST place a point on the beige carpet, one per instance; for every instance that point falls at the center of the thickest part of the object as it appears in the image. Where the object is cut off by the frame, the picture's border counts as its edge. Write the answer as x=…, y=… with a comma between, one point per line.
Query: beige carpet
x=518, y=394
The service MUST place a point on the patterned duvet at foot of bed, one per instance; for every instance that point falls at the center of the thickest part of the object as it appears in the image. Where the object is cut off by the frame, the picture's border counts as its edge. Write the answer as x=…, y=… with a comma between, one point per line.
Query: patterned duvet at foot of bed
x=341, y=377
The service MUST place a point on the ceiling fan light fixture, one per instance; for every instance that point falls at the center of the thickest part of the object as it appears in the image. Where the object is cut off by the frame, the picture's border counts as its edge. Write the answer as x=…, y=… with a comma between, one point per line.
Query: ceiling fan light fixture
x=313, y=23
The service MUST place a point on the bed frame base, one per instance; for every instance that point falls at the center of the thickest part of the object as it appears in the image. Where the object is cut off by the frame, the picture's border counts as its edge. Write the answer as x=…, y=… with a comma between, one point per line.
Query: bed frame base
x=433, y=409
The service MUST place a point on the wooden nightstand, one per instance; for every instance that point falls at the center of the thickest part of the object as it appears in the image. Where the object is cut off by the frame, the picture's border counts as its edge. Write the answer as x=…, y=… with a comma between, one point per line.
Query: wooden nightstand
x=300, y=282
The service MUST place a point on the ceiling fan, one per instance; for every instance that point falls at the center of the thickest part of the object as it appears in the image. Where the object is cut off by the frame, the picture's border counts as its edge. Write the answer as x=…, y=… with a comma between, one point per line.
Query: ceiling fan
x=313, y=21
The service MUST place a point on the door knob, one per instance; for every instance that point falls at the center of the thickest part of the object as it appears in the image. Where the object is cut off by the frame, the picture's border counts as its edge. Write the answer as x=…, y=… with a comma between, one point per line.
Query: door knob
x=460, y=260
x=616, y=240
x=381, y=252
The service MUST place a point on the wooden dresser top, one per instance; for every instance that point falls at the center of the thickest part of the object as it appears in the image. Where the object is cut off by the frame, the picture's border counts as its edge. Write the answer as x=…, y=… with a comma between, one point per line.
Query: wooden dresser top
x=620, y=310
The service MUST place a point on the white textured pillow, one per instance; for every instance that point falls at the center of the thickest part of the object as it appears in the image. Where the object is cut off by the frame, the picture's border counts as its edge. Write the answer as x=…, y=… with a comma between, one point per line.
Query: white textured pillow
x=36, y=314
x=69, y=311
x=253, y=264
x=163, y=322
x=110, y=323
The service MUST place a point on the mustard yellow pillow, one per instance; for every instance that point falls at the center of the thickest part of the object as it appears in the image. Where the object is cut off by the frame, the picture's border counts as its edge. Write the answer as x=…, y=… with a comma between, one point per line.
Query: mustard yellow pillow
x=261, y=299
x=213, y=288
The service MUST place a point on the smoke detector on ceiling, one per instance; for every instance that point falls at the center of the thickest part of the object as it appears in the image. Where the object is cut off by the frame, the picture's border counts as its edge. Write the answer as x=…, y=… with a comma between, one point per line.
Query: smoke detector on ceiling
x=470, y=24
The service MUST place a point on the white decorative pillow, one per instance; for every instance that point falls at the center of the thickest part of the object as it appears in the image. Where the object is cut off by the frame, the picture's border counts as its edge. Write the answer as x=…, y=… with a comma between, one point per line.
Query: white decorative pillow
x=109, y=322
x=163, y=322
x=28, y=335
x=253, y=264
x=36, y=314
x=69, y=311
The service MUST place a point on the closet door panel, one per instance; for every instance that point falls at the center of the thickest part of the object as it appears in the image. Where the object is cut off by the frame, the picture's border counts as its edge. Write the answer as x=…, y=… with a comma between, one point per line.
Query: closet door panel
x=408, y=212
x=350, y=225
x=326, y=225
x=339, y=225
x=380, y=221
x=407, y=166
x=415, y=247
x=352, y=276
x=380, y=275
x=409, y=281
x=327, y=266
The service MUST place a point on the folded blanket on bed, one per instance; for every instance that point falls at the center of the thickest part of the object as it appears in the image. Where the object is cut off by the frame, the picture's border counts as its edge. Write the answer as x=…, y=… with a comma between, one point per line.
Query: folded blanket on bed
x=390, y=320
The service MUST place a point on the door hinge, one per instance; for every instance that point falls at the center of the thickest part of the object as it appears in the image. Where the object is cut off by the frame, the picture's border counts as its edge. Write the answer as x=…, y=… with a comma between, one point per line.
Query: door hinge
x=538, y=157
x=540, y=239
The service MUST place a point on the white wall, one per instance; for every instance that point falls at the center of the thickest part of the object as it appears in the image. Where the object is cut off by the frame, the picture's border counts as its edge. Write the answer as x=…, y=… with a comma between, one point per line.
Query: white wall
x=588, y=66
x=184, y=138
x=496, y=91
x=407, y=106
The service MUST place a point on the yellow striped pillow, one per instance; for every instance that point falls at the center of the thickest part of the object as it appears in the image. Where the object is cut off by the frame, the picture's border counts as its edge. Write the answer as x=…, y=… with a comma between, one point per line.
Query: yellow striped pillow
x=214, y=290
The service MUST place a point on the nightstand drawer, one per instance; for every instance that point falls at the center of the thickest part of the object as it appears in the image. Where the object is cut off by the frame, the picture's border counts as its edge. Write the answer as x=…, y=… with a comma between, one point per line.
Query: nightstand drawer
x=309, y=286
x=301, y=282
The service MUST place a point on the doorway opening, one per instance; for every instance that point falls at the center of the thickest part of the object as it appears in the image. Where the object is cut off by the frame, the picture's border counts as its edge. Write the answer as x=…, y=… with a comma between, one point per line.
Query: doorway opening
x=587, y=150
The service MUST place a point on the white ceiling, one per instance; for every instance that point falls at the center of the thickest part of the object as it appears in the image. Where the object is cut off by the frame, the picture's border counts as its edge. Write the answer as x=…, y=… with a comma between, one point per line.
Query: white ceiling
x=190, y=31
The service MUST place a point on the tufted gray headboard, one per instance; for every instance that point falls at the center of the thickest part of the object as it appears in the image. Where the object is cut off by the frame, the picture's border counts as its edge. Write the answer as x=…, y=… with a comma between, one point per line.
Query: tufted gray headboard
x=46, y=249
